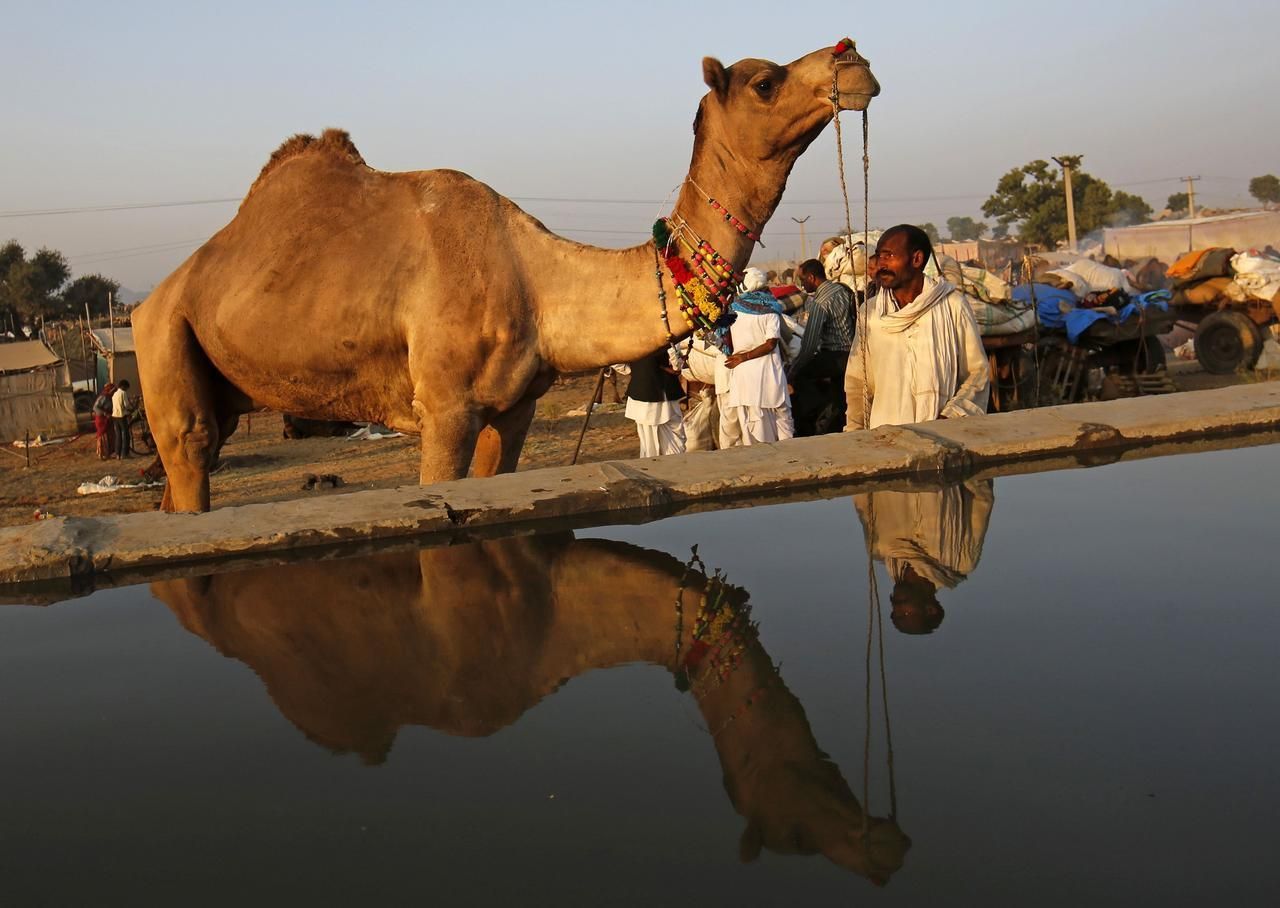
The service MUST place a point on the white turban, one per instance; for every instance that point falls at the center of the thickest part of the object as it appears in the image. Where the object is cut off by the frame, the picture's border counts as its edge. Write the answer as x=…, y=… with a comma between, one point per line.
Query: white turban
x=753, y=279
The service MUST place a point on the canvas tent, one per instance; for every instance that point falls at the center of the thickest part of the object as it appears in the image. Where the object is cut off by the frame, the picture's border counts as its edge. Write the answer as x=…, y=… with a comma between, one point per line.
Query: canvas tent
x=993, y=255
x=117, y=358
x=1166, y=240
x=32, y=396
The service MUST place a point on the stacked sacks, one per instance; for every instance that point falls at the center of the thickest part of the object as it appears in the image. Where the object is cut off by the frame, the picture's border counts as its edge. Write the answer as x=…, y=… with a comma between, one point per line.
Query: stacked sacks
x=1083, y=277
x=1209, y=276
x=988, y=297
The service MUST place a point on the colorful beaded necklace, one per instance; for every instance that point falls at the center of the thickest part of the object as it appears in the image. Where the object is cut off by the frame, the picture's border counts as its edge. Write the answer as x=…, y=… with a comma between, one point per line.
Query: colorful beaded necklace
x=705, y=281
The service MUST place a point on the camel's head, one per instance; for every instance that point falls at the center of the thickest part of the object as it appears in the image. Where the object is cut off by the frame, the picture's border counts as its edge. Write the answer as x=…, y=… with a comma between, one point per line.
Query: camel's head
x=764, y=111
x=807, y=808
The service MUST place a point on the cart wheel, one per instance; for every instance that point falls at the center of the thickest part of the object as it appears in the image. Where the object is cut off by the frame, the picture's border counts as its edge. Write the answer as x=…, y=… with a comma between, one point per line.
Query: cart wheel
x=1228, y=341
x=141, y=441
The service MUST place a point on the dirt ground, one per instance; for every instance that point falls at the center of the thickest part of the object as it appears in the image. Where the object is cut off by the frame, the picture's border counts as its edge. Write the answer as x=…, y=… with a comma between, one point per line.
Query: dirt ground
x=259, y=464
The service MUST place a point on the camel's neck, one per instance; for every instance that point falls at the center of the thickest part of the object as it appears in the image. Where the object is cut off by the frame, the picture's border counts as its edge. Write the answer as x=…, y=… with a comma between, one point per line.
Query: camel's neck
x=600, y=306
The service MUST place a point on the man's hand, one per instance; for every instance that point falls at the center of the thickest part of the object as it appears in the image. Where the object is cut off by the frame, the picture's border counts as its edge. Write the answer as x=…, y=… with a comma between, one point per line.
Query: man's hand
x=736, y=359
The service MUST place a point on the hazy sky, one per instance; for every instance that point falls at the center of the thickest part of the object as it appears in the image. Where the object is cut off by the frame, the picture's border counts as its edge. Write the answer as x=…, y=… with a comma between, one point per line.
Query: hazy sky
x=148, y=103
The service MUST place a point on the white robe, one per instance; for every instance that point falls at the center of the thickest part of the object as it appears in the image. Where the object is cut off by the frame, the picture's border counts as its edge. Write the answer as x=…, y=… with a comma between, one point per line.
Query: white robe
x=660, y=425
x=758, y=387
x=758, y=382
x=939, y=534
x=922, y=362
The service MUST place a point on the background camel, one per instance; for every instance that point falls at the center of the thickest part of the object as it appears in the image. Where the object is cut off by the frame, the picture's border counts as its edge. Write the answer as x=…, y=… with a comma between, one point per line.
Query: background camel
x=430, y=303
x=466, y=638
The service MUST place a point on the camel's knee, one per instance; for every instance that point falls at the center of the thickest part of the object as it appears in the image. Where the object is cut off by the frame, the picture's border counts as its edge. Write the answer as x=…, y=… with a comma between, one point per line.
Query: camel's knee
x=198, y=445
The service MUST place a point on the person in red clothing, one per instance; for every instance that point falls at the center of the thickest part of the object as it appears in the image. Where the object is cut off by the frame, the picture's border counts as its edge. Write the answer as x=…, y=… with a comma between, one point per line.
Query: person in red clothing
x=102, y=422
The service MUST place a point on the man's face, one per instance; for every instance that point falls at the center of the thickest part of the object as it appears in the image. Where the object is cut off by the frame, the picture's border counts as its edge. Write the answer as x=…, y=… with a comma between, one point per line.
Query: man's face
x=895, y=268
x=808, y=281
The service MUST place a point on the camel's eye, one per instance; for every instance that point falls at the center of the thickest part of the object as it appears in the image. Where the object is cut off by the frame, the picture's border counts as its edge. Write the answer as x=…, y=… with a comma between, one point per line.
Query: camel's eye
x=764, y=86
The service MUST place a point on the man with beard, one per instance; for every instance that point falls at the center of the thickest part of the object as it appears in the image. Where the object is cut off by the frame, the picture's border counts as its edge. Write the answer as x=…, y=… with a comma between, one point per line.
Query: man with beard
x=919, y=355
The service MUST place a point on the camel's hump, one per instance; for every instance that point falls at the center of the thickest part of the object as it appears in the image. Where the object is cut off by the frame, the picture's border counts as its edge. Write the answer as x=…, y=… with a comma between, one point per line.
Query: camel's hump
x=334, y=142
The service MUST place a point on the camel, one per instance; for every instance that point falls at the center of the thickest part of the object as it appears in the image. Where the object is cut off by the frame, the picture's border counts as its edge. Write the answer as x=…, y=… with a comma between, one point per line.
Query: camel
x=467, y=638
x=428, y=302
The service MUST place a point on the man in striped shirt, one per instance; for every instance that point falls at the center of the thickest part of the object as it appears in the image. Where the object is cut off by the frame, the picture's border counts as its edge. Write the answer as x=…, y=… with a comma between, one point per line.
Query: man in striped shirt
x=817, y=373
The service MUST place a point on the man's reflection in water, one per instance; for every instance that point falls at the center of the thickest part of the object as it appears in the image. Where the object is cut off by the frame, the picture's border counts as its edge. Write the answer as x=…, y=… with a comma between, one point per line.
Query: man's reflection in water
x=928, y=540
x=466, y=638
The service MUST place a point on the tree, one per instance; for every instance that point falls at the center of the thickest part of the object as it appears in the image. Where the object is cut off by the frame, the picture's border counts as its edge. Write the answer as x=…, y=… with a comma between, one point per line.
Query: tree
x=962, y=229
x=91, y=289
x=932, y=232
x=29, y=287
x=1266, y=189
x=1032, y=197
x=1128, y=209
x=1179, y=203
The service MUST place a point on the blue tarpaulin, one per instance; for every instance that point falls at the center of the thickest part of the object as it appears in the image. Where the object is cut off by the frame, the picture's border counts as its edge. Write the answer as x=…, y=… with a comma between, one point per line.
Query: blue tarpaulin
x=1052, y=301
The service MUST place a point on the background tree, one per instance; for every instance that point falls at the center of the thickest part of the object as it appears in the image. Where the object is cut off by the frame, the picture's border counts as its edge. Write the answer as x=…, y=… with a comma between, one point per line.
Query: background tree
x=932, y=232
x=1128, y=209
x=29, y=287
x=1032, y=197
x=92, y=289
x=1266, y=189
x=963, y=229
x=1179, y=203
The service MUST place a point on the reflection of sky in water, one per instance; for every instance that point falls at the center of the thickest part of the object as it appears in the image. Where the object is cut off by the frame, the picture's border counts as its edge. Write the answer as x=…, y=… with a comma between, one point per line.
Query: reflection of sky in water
x=1092, y=722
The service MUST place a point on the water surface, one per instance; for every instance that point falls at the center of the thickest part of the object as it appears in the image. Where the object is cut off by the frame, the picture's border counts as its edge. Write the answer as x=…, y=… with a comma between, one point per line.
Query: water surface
x=1090, y=718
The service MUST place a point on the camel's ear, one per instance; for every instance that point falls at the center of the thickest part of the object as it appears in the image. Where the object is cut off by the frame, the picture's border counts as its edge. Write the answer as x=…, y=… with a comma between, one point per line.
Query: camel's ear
x=751, y=843
x=714, y=75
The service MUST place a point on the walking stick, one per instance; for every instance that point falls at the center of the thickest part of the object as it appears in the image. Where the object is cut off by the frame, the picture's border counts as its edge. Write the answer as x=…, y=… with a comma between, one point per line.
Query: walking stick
x=595, y=398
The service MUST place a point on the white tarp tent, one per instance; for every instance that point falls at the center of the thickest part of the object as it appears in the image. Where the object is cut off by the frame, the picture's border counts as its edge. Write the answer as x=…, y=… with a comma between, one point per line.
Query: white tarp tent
x=1166, y=240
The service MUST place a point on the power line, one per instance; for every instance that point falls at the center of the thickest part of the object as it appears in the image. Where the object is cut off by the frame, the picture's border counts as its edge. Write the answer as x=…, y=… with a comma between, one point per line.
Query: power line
x=93, y=209
x=88, y=255
x=143, y=206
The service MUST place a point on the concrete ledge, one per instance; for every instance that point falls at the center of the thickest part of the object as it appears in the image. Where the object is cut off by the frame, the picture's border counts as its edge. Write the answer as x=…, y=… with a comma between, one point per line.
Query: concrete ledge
x=74, y=551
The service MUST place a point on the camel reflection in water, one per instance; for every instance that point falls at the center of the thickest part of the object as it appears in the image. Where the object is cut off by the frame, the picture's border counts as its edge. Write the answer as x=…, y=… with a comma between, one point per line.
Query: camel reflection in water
x=465, y=639
x=928, y=539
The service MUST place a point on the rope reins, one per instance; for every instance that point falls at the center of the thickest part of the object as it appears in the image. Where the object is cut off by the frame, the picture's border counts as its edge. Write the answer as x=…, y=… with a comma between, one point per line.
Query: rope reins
x=875, y=618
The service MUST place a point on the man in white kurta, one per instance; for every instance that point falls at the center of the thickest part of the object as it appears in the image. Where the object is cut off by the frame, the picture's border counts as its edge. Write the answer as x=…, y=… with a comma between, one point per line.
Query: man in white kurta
x=919, y=354
x=708, y=423
x=928, y=541
x=653, y=404
x=757, y=382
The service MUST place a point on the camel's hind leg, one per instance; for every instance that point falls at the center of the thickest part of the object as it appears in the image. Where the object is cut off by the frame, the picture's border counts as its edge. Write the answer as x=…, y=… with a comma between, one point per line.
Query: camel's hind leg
x=498, y=448
x=183, y=411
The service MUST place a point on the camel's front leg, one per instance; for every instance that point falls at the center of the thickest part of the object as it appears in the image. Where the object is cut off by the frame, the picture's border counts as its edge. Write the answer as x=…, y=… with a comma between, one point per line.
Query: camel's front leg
x=448, y=441
x=501, y=441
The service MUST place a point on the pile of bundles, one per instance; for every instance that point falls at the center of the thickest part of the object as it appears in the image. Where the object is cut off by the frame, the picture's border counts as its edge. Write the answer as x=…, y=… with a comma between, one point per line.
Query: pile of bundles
x=1211, y=276
x=1076, y=296
x=987, y=294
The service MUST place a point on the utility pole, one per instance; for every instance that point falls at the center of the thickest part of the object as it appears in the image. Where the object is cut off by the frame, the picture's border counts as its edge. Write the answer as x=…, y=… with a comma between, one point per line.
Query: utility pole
x=1191, y=195
x=804, y=250
x=1068, y=163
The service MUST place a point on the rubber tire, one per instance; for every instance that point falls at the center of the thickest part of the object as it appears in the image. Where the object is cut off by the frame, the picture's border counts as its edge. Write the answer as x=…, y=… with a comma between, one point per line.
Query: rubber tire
x=1228, y=341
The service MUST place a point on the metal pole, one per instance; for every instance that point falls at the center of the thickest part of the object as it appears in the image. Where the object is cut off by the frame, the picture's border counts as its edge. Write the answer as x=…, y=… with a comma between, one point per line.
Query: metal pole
x=804, y=249
x=1068, y=163
x=1191, y=196
x=111, y=320
x=595, y=396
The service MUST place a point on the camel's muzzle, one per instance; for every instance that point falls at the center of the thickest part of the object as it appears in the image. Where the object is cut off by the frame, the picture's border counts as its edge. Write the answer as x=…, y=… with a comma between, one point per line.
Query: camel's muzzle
x=855, y=84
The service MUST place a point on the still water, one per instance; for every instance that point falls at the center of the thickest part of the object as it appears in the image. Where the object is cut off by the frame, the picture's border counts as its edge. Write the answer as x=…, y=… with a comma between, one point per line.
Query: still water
x=1072, y=682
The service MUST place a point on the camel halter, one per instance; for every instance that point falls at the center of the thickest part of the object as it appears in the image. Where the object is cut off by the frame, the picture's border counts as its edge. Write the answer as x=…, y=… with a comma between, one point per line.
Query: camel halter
x=846, y=54
x=875, y=616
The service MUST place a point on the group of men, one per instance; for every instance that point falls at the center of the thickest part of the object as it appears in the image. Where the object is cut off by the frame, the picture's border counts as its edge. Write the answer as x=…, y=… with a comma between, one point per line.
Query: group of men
x=904, y=345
